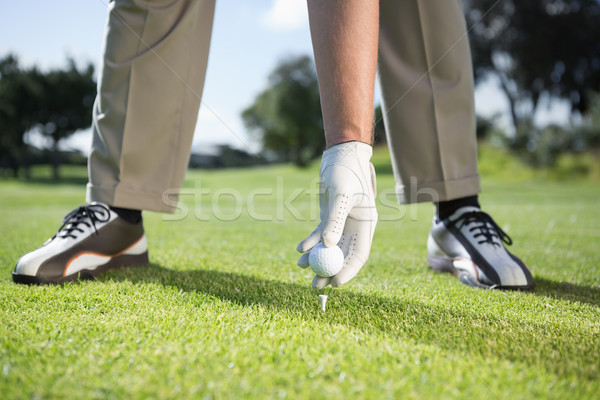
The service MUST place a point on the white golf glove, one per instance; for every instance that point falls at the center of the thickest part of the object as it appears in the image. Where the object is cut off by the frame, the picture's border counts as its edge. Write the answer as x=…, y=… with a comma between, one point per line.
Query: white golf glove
x=348, y=213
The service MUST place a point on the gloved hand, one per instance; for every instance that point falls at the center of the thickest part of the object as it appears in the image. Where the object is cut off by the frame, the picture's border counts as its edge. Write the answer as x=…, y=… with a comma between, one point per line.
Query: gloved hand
x=347, y=209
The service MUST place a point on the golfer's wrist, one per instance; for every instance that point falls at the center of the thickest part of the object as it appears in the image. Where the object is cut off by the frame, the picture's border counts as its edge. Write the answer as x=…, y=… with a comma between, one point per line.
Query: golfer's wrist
x=332, y=140
x=359, y=150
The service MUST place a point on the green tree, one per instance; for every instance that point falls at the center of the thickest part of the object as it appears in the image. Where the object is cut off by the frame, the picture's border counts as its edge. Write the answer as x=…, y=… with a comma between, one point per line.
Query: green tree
x=18, y=105
x=286, y=117
x=65, y=105
x=56, y=103
x=537, y=49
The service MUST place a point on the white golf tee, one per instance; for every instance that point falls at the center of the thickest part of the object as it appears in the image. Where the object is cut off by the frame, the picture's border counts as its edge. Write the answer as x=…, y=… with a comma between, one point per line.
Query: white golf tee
x=323, y=301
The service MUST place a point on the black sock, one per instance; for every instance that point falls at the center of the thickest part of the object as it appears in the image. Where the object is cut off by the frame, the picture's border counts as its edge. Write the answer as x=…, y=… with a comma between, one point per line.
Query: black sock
x=131, y=216
x=447, y=208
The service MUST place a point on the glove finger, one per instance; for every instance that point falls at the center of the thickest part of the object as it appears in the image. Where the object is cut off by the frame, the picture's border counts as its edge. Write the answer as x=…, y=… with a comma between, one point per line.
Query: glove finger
x=356, y=247
x=373, y=179
x=344, y=243
x=352, y=265
x=311, y=241
x=319, y=282
x=333, y=227
x=303, y=261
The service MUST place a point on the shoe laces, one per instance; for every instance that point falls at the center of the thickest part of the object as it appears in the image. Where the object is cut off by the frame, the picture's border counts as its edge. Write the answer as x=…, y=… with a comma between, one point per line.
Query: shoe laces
x=88, y=215
x=483, y=227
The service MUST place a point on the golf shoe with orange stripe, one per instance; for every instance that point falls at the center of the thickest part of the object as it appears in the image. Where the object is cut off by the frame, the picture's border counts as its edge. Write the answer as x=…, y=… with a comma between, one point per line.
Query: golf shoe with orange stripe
x=91, y=240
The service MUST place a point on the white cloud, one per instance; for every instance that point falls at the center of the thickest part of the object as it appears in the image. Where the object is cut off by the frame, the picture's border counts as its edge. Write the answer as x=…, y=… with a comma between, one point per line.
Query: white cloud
x=286, y=15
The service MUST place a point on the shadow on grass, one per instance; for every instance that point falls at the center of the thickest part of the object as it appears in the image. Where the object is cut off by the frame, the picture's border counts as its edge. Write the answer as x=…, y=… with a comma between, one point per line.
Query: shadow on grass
x=567, y=291
x=562, y=349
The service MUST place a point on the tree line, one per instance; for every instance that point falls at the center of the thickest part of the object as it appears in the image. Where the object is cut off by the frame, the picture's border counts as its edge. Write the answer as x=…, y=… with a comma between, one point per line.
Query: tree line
x=541, y=50
x=54, y=103
x=537, y=50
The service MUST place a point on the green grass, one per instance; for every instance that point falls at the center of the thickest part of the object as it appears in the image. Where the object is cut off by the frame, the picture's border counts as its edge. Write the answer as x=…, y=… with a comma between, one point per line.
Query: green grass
x=223, y=312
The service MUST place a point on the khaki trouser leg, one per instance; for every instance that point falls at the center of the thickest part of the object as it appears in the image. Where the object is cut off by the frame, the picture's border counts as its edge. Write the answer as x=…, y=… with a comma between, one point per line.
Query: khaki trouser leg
x=154, y=65
x=428, y=99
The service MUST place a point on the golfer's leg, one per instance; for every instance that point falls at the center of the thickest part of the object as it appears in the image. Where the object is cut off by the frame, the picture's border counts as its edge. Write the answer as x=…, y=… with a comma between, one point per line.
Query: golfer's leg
x=427, y=85
x=428, y=99
x=344, y=36
x=155, y=56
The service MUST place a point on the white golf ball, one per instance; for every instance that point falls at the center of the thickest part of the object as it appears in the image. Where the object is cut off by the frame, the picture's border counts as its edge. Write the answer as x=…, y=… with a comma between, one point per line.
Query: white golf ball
x=326, y=261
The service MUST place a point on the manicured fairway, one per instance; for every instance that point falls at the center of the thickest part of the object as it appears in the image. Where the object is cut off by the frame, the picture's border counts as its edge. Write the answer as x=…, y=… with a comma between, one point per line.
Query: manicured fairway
x=223, y=312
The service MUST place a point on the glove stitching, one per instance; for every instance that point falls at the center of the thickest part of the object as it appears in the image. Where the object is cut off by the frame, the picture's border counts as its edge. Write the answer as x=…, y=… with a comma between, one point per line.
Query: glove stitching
x=352, y=247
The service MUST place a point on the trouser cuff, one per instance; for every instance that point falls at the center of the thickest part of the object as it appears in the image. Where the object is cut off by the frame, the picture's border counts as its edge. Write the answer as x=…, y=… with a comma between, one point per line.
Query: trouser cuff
x=117, y=197
x=437, y=191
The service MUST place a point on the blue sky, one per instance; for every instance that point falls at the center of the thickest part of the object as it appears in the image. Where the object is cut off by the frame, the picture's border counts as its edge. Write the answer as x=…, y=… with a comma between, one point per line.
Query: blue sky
x=249, y=38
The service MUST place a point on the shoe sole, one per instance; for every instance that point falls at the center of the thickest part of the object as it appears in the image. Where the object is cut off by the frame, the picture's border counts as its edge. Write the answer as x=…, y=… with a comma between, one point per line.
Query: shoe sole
x=445, y=264
x=122, y=261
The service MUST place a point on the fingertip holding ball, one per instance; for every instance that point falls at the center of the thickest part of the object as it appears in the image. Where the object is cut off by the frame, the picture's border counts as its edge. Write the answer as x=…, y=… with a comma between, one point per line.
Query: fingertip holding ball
x=326, y=261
